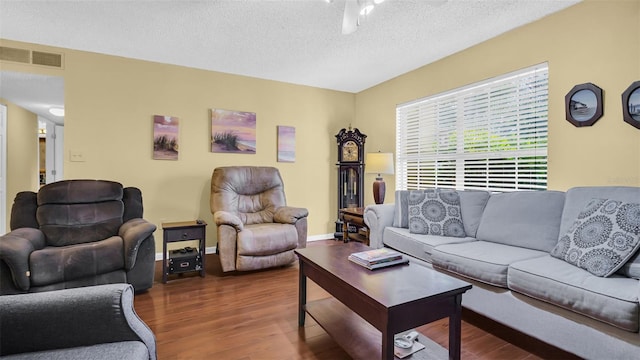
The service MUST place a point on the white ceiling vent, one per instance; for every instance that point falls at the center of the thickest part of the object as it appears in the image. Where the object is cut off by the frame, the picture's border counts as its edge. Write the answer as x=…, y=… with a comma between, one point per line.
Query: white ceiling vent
x=26, y=56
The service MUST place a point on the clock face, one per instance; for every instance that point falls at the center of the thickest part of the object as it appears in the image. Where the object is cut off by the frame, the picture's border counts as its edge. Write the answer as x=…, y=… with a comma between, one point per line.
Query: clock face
x=350, y=151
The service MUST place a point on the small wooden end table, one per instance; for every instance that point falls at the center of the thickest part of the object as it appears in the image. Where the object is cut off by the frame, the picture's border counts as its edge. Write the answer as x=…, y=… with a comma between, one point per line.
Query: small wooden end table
x=183, y=231
x=354, y=218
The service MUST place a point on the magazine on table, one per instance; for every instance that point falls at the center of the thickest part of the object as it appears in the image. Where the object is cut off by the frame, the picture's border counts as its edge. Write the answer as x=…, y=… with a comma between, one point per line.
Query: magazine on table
x=377, y=255
x=377, y=258
x=402, y=260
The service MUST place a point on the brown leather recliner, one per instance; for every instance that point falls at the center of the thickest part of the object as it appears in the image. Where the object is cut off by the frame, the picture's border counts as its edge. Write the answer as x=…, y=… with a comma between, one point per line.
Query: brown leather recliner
x=255, y=227
x=76, y=233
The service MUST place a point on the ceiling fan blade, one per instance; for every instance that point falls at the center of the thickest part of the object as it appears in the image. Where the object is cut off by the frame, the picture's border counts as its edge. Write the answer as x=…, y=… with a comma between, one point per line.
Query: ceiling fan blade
x=350, y=20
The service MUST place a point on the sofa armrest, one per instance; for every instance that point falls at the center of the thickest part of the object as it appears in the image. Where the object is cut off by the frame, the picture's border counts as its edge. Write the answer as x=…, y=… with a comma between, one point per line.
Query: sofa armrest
x=133, y=233
x=71, y=318
x=15, y=248
x=289, y=214
x=227, y=218
x=378, y=217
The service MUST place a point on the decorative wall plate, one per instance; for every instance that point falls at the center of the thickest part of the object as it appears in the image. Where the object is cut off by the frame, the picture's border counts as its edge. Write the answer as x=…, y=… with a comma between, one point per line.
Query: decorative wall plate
x=583, y=104
x=631, y=105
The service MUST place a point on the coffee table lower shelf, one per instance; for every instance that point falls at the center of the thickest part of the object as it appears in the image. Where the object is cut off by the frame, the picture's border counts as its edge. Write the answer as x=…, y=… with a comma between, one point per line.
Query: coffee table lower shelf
x=359, y=338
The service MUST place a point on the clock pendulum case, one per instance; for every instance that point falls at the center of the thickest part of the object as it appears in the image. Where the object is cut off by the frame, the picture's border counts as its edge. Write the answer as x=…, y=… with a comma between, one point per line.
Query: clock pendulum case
x=350, y=172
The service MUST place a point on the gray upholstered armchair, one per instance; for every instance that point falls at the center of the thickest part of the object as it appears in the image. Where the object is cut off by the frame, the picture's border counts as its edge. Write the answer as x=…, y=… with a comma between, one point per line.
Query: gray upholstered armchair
x=77, y=233
x=255, y=227
x=98, y=322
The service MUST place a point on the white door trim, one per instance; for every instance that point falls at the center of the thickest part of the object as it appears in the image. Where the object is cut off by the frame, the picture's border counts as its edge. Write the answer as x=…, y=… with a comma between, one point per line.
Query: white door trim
x=3, y=169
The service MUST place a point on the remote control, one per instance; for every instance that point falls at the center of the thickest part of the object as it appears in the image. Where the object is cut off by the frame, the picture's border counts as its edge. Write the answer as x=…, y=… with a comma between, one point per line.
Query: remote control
x=406, y=341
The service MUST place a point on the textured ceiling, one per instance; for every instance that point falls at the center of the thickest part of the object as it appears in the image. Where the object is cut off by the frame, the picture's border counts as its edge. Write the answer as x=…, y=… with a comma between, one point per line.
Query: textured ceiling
x=294, y=41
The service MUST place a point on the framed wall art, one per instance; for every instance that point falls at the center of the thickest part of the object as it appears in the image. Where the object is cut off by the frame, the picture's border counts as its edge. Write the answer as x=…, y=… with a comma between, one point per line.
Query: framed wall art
x=631, y=105
x=286, y=144
x=165, y=137
x=233, y=131
x=583, y=104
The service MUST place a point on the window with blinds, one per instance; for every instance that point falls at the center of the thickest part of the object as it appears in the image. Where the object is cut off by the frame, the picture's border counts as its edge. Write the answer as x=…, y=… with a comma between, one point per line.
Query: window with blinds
x=490, y=135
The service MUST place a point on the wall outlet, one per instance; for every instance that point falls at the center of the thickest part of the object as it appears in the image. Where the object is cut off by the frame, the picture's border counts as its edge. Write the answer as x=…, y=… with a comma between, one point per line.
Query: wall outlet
x=76, y=156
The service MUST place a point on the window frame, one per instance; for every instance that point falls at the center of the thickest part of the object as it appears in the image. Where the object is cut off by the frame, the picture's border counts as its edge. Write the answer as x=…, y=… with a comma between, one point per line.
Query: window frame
x=498, y=126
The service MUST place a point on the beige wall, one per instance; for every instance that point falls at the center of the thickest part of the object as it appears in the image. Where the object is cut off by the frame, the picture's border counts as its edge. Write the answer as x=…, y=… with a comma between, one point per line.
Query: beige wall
x=22, y=152
x=110, y=102
x=594, y=41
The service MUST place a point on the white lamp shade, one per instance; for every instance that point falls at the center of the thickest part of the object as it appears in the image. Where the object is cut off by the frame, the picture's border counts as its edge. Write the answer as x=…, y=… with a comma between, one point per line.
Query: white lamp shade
x=379, y=163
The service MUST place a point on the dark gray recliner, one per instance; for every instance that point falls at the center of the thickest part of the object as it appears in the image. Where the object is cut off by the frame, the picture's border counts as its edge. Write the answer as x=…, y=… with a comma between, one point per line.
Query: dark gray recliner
x=97, y=322
x=76, y=233
x=255, y=227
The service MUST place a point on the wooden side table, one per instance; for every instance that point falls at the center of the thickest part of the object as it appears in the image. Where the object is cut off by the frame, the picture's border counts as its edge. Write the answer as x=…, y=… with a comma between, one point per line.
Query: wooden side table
x=183, y=231
x=353, y=219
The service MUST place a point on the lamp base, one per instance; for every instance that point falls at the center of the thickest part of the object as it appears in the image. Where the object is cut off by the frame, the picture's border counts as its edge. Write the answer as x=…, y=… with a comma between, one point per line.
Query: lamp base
x=379, y=189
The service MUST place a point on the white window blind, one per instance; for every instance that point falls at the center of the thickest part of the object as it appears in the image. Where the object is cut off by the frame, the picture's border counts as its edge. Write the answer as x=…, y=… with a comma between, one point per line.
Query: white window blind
x=490, y=135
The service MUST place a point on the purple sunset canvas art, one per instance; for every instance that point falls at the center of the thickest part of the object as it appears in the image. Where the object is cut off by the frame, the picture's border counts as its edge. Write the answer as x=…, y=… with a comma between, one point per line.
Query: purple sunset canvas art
x=165, y=137
x=233, y=131
x=286, y=144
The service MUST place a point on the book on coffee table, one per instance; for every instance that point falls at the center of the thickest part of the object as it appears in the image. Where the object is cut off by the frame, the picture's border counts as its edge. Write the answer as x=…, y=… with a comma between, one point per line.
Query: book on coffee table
x=377, y=258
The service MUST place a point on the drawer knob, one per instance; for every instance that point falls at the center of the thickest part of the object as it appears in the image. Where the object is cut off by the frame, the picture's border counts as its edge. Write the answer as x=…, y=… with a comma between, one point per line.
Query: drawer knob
x=184, y=235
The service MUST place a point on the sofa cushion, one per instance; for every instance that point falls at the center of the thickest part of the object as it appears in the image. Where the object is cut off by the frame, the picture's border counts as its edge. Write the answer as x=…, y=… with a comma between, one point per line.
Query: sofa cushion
x=416, y=245
x=481, y=260
x=612, y=300
x=65, y=263
x=632, y=267
x=115, y=351
x=23, y=211
x=578, y=197
x=472, y=204
x=266, y=239
x=528, y=219
x=70, y=224
x=605, y=234
x=401, y=212
x=435, y=212
x=253, y=193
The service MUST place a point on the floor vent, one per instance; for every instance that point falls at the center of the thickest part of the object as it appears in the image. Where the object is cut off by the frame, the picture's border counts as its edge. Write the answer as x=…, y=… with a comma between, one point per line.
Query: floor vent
x=15, y=55
x=26, y=56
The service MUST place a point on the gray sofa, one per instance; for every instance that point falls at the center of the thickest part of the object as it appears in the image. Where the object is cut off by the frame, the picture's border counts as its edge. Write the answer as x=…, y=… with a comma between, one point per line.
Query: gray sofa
x=95, y=322
x=516, y=250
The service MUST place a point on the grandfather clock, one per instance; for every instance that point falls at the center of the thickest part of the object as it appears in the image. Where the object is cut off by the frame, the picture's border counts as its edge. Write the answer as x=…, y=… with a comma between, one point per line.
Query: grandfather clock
x=350, y=171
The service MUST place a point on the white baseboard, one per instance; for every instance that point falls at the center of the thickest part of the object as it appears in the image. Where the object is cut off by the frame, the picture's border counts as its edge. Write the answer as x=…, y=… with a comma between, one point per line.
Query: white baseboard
x=212, y=249
x=320, y=237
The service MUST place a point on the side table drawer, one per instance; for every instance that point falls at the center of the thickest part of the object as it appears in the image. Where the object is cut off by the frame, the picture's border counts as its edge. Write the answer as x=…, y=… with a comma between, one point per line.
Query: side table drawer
x=186, y=234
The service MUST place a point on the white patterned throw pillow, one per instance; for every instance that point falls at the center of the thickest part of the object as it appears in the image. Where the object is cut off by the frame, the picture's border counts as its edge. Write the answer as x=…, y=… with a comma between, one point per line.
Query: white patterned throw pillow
x=603, y=237
x=435, y=212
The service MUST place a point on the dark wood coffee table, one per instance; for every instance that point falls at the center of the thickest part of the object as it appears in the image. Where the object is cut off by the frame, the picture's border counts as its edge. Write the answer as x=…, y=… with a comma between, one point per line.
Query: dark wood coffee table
x=387, y=301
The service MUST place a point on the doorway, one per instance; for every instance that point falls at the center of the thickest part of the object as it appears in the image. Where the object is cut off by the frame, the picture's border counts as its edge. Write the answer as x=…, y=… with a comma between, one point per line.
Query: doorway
x=51, y=139
x=38, y=94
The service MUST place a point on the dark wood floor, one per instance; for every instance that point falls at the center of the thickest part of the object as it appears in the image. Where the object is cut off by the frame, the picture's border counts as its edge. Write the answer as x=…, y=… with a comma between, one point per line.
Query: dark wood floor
x=253, y=316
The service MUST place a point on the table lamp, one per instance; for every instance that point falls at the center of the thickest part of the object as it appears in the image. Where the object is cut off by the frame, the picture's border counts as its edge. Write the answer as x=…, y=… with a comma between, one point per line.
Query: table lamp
x=379, y=163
